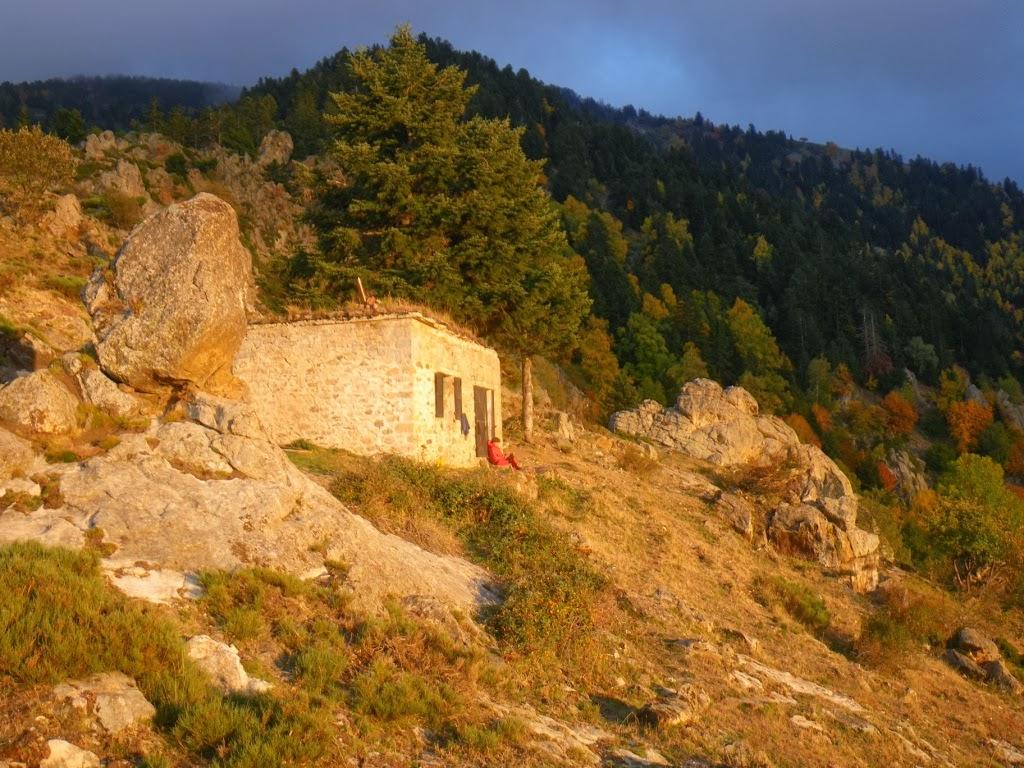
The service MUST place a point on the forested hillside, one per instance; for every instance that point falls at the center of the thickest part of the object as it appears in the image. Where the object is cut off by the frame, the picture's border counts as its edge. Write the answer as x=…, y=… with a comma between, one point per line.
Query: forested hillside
x=865, y=258
x=70, y=107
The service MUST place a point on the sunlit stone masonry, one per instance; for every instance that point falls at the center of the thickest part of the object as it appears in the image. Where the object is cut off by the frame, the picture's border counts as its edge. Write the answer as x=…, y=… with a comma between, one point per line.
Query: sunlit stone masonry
x=398, y=383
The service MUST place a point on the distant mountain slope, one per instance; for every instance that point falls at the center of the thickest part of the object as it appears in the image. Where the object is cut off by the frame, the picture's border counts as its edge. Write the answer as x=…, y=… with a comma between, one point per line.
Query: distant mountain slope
x=112, y=102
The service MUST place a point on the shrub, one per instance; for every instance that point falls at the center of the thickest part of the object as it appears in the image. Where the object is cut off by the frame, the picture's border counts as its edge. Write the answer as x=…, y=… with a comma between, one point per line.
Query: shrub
x=803, y=429
x=68, y=285
x=634, y=460
x=822, y=417
x=491, y=736
x=903, y=620
x=1012, y=387
x=57, y=603
x=176, y=164
x=798, y=600
x=389, y=694
x=551, y=592
x=939, y=456
x=973, y=524
x=124, y=210
x=996, y=443
x=1015, y=459
x=34, y=161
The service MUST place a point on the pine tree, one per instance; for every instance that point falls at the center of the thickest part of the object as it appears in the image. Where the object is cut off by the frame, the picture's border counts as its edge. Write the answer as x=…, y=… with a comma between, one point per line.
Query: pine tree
x=445, y=210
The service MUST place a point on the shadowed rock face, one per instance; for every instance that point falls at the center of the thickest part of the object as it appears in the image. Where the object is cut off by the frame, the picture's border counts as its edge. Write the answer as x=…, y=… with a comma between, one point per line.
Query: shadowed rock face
x=818, y=518
x=174, y=310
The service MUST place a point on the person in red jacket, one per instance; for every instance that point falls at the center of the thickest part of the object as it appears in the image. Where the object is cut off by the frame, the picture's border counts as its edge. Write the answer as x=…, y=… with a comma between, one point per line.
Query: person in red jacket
x=497, y=457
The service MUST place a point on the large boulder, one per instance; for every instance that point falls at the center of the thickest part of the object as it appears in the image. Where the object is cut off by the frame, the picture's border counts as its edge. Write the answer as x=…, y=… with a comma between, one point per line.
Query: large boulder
x=818, y=515
x=173, y=312
x=39, y=402
x=974, y=655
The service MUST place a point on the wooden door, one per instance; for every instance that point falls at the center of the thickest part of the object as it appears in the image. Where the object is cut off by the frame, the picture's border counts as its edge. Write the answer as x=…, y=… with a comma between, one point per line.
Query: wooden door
x=481, y=419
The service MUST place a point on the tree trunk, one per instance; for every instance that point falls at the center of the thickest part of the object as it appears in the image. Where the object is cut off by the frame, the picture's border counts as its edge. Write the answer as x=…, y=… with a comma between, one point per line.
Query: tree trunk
x=527, y=399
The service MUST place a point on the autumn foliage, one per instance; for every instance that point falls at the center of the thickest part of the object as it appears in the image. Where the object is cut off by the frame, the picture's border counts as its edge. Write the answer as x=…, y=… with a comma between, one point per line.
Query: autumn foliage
x=900, y=415
x=803, y=429
x=887, y=477
x=1015, y=461
x=822, y=416
x=967, y=419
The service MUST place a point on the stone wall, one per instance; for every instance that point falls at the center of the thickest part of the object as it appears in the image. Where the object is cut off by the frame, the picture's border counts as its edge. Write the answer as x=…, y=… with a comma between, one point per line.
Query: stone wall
x=368, y=385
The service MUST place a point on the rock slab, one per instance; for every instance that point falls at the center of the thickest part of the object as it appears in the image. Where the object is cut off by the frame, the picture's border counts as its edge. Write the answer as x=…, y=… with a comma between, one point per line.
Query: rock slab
x=221, y=662
x=112, y=697
x=64, y=754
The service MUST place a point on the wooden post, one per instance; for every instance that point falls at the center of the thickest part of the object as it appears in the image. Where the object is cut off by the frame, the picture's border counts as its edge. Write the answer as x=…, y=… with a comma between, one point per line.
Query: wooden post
x=527, y=398
x=362, y=293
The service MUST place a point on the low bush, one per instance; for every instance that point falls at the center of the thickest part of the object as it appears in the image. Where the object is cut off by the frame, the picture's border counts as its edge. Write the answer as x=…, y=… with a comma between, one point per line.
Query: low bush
x=798, y=600
x=68, y=285
x=551, y=592
x=633, y=459
x=57, y=604
x=903, y=620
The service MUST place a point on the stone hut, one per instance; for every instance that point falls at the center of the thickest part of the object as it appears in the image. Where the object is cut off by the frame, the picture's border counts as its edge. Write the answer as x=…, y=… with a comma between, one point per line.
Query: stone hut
x=398, y=383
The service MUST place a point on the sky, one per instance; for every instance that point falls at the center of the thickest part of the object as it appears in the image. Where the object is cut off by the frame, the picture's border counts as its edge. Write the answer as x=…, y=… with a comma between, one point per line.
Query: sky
x=940, y=78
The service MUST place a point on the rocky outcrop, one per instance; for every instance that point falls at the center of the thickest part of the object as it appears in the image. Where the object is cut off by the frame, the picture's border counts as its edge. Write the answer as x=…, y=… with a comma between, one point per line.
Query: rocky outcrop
x=185, y=497
x=174, y=310
x=276, y=147
x=124, y=179
x=974, y=655
x=817, y=516
x=38, y=402
x=221, y=662
x=111, y=698
x=65, y=218
x=1012, y=413
x=98, y=390
x=711, y=424
x=97, y=145
x=909, y=473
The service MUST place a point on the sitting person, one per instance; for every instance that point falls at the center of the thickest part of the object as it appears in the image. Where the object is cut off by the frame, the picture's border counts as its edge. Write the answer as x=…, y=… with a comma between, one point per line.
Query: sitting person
x=497, y=457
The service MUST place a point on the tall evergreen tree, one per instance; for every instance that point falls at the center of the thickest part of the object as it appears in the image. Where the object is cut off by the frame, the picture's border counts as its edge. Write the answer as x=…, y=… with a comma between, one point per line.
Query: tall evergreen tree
x=445, y=210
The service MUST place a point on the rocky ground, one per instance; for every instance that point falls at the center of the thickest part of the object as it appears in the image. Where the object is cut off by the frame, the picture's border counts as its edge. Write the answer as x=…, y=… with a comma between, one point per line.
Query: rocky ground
x=733, y=590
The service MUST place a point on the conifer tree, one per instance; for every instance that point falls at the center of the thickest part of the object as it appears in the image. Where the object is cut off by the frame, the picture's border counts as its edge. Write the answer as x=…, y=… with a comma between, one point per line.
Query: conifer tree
x=445, y=210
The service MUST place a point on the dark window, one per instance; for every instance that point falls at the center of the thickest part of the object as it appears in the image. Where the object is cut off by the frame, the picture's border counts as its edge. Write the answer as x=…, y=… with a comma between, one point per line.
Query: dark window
x=438, y=395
